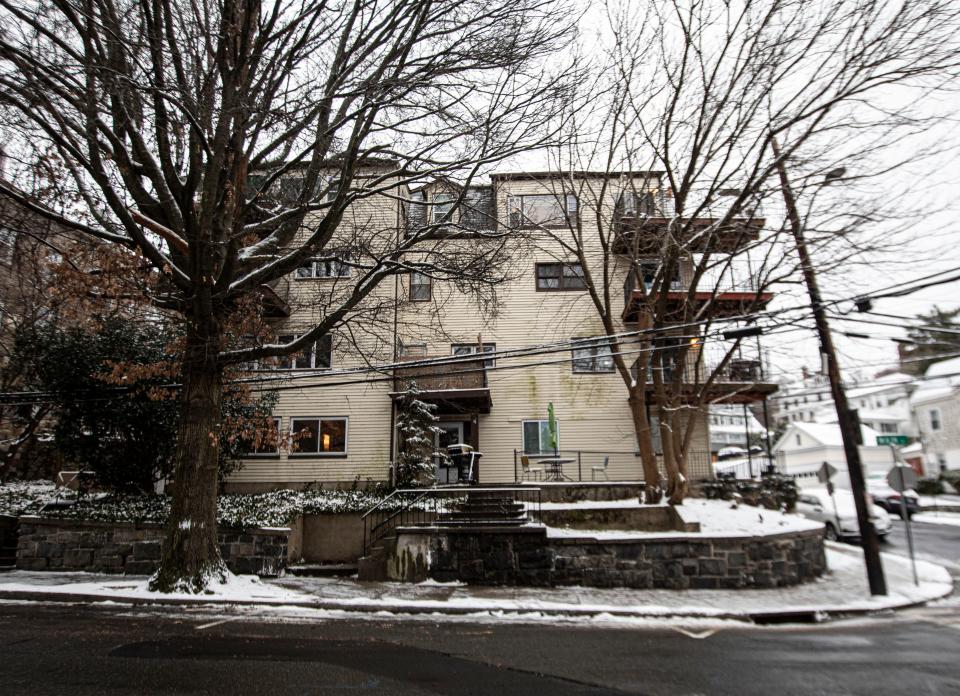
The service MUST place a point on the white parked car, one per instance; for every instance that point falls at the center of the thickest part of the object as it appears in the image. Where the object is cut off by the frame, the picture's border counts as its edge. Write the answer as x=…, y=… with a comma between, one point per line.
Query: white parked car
x=841, y=523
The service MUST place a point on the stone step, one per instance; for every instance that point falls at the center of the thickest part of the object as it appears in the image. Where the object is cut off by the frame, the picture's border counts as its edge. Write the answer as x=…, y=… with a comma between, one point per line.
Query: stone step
x=322, y=570
x=514, y=509
x=518, y=522
x=482, y=515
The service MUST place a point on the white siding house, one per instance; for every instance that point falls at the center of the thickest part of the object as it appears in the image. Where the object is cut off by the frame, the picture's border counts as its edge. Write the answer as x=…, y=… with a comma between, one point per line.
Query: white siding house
x=804, y=447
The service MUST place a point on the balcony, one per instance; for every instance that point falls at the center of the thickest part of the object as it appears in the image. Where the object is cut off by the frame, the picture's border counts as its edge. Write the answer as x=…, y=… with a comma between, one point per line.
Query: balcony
x=460, y=387
x=641, y=222
x=735, y=380
x=722, y=300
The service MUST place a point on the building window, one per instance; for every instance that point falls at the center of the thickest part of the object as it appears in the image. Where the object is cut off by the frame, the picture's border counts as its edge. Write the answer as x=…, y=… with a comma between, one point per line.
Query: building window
x=593, y=359
x=319, y=436
x=442, y=205
x=475, y=349
x=536, y=437
x=413, y=350
x=262, y=444
x=318, y=355
x=542, y=210
x=935, y=422
x=799, y=441
x=888, y=428
x=633, y=202
x=560, y=276
x=648, y=271
x=337, y=265
x=421, y=287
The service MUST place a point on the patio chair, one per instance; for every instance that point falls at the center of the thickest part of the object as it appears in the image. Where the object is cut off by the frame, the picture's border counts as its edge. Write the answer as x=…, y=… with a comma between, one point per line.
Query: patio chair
x=527, y=471
x=601, y=469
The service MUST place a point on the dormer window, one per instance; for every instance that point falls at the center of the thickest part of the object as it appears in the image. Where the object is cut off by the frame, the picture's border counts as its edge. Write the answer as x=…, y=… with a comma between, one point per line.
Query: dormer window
x=442, y=205
x=542, y=210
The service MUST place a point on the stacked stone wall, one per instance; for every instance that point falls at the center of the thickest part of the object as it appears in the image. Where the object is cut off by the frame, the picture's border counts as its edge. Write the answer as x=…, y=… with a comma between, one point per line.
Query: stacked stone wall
x=528, y=557
x=117, y=547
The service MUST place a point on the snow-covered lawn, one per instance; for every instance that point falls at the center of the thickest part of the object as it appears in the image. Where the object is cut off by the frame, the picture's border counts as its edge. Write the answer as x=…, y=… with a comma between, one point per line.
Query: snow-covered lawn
x=237, y=588
x=948, y=518
x=716, y=517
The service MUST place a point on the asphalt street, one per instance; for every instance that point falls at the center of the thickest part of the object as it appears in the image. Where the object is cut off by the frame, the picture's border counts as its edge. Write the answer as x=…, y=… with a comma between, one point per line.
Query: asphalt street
x=77, y=649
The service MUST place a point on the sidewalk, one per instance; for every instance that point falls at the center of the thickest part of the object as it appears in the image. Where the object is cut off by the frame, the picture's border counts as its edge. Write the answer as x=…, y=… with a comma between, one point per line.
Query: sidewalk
x=842, y=592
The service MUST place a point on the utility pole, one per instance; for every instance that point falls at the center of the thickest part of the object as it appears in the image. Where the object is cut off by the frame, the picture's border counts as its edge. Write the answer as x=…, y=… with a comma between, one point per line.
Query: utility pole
x=849, y=426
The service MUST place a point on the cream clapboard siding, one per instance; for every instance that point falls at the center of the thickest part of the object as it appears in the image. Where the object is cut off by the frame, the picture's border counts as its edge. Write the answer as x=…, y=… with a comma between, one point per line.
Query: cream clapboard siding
x=591, y=409
x=366, y=405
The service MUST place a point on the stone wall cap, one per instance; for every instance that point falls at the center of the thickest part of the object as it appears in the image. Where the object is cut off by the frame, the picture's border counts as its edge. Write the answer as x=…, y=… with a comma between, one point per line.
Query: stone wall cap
x=125, y=524
x=682, y=537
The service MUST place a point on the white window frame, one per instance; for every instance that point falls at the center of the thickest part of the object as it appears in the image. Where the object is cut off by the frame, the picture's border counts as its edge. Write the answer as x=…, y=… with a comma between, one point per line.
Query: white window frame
x=336, y=265
x=290, y=361
x=592, y=356
x=457, y=349
x=440, y=210
x=319, y=420
x=416, y=275
x=567, y=206
x=936, y=421
x=543, y=431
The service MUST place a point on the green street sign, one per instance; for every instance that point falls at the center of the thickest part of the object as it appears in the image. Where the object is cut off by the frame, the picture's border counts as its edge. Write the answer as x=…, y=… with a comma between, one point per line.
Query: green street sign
x=900, y=440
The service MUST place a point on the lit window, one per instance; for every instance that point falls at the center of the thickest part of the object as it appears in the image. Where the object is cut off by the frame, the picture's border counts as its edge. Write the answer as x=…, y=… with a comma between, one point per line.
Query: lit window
x=319, y=436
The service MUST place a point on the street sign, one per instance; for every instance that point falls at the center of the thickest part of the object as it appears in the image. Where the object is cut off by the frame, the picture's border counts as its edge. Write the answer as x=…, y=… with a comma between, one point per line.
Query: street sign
x=900, y=478
x=826, y=472
x=900, y=440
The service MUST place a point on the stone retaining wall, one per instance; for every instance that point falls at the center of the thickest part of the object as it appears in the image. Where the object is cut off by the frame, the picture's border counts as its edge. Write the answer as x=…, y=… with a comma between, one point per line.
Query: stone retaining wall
x=121, y=547
x=8, y=540
x=527, y=557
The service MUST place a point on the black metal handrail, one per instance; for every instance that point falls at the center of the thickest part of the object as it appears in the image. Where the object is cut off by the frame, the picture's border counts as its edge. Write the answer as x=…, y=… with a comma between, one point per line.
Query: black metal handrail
x=419, y=506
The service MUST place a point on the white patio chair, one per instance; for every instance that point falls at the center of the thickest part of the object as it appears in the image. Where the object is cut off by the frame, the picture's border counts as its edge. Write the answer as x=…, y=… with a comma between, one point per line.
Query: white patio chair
x=527, y=471
x=601, y=469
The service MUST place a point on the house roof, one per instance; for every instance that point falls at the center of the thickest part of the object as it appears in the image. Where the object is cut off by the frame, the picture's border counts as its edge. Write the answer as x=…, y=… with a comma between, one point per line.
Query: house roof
x=826, y=434
x=942, y=380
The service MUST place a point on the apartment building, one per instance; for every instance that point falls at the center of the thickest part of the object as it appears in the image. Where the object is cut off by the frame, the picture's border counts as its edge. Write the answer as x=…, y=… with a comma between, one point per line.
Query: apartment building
x=496, y=397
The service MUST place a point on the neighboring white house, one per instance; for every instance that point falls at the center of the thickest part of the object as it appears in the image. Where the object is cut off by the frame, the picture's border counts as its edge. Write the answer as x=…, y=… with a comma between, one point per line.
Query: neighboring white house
x=729, y=427
x=804, y=447
x=882, y=403
x=936, y=412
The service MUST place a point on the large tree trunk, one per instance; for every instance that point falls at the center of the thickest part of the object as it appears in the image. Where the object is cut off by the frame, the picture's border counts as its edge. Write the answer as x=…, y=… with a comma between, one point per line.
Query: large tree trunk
x=191, y=556
x=641, y=424
x=676, y=479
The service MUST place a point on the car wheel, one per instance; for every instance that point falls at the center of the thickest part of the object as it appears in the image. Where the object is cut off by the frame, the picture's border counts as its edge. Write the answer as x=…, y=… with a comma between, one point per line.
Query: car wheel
x=832, y=533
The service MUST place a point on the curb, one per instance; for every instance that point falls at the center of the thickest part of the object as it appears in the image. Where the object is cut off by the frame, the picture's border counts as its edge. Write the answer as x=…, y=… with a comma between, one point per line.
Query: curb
x=813, y=615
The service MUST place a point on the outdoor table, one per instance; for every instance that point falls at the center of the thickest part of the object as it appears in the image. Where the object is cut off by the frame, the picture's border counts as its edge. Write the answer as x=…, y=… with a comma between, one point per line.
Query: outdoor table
x=553, y=468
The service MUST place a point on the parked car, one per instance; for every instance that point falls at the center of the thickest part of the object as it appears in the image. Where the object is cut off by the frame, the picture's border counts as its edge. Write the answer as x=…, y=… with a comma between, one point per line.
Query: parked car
x=889, y=499
x=840, y=522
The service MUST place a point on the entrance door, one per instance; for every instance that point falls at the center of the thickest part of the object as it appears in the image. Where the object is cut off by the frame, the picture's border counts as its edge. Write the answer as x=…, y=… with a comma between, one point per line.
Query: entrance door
x=451, y=433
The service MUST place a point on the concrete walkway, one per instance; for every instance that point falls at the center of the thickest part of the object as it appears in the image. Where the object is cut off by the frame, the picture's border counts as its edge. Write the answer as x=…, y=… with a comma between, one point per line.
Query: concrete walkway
x=843, y=591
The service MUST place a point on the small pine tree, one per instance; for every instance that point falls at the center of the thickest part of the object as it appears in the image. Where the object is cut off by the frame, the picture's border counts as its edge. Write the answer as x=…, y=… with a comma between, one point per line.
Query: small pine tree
x=415, y=437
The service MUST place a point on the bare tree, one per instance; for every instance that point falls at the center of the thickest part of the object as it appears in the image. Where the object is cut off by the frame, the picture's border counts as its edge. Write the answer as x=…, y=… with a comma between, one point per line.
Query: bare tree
x=163, y=113
x=693, y=94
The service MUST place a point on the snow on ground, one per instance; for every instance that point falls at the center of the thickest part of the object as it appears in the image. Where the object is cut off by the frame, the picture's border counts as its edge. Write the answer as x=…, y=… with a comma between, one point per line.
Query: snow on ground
x=237, y=588
x=939, y=500
x=717, y=518
x=949, y=518
x=843, y=589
